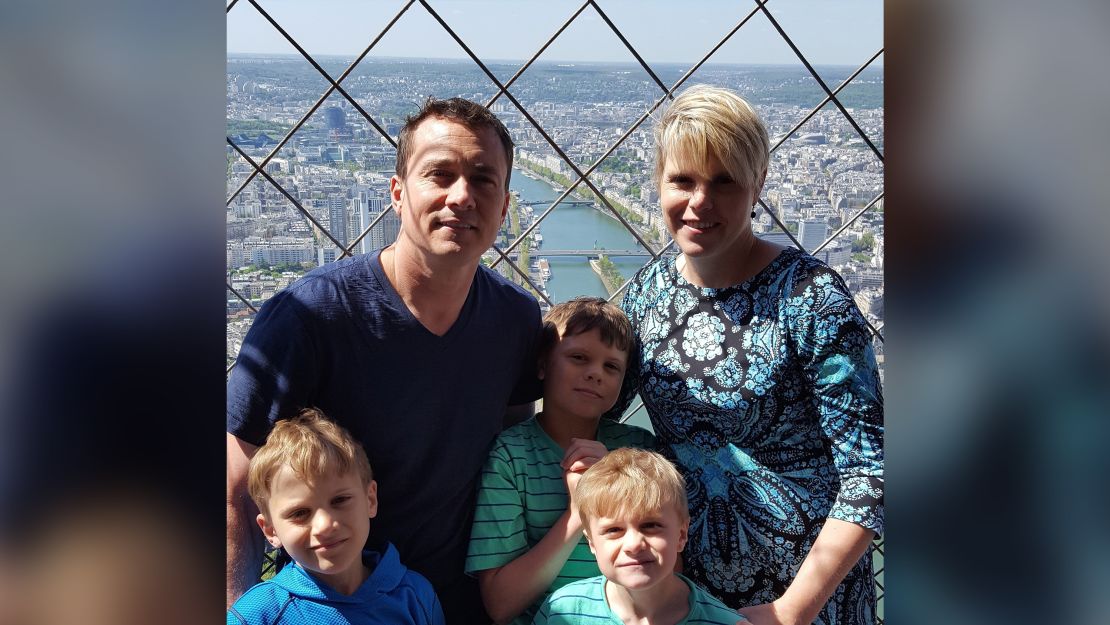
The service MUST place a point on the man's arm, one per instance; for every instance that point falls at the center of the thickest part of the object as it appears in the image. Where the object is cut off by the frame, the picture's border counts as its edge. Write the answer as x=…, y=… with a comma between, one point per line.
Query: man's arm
x=244, y=541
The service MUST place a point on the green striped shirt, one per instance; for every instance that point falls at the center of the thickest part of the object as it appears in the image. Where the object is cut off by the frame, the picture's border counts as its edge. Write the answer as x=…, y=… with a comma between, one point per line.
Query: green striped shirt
x=522, y=494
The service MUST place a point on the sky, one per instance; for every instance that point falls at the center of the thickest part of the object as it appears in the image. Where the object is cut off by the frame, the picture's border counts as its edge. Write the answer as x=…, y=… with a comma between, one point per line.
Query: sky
x=841, y=32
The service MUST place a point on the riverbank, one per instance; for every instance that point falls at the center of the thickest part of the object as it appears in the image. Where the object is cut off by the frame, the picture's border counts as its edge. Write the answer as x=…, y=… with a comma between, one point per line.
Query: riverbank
x=611, y=277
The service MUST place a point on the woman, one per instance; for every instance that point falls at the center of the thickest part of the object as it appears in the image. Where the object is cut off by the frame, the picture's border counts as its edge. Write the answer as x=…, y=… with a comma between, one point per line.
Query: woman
x=758, y=374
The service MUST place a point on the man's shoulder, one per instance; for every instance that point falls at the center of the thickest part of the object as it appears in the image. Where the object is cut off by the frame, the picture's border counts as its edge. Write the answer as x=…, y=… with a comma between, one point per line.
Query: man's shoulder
x=334, y=275
x=324, y=285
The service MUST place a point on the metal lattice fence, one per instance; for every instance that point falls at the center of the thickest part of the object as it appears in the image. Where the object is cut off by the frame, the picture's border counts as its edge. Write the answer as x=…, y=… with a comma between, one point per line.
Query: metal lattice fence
x=258, y=170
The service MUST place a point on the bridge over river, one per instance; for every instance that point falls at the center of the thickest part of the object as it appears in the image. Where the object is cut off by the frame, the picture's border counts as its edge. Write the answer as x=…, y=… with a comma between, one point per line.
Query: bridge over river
x=567, y=202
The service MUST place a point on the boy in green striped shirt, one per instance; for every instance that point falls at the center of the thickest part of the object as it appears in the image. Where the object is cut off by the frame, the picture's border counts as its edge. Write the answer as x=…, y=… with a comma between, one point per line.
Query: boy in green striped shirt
x=527, y=540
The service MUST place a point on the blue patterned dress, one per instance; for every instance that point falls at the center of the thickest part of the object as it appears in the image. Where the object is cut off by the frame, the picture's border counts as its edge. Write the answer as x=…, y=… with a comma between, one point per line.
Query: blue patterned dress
x=766, y=395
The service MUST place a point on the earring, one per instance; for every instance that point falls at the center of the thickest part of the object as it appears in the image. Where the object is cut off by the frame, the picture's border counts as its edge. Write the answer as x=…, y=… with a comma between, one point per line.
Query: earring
x=753, y=214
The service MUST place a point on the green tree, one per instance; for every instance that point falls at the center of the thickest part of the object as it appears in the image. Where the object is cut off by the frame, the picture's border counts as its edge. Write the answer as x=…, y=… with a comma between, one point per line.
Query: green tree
x=866, y=243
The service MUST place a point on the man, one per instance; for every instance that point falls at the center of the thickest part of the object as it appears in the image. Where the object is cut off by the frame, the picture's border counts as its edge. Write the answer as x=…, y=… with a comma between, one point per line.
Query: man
x=415, y=349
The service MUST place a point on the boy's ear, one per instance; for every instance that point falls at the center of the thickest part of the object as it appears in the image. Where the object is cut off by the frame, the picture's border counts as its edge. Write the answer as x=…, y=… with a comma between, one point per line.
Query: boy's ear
x=268, y=530
x=589, y=542
x=372, y=498
x=683, y=534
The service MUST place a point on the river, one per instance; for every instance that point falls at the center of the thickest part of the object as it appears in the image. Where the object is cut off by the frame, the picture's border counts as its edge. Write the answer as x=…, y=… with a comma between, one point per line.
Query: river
x=571, y=227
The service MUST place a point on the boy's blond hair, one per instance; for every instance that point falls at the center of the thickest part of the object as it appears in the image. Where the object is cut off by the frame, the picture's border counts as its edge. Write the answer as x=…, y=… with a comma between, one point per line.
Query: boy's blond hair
x=706, y=121
x=311, y=446
x=630, y=480
x=583, y=314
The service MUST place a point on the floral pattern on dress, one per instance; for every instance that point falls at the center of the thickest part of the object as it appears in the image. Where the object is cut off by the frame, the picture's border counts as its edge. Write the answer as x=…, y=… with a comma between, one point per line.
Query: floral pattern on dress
x=766, y=395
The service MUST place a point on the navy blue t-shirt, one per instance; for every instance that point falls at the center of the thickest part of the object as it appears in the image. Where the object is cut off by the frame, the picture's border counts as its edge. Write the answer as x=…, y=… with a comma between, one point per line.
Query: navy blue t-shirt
x=425, y=407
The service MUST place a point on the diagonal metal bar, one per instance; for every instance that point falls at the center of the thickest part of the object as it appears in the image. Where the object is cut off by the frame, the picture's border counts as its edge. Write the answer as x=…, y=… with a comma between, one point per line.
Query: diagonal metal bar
x=535, y=56
x=231, y=4
x=523, y=274
x=292, y=199
x=241, y=298
x=631, y=49
x=848, y=223
x=782, y=226
x=625, y=419
x=712, y=51
x=533, y=121
x=624, y=286
x=323, y=98
x=253, y=310
x=597, y=163
x=847, y=81
x=637, y=124
x=629, y=132
x=324, y=72
x=817, y=77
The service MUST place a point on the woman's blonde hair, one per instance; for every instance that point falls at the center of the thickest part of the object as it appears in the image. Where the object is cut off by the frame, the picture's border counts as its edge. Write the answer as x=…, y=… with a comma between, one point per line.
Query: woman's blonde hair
x=311, y=446
x=630, y=480
x=706, y=121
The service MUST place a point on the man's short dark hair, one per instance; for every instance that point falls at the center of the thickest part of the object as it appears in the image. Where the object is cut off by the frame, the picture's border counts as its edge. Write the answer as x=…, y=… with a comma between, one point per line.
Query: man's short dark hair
x=470, y=114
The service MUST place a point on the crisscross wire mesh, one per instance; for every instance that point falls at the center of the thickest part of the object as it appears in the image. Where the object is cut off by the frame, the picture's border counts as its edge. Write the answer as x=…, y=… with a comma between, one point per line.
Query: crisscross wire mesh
x=579, y=176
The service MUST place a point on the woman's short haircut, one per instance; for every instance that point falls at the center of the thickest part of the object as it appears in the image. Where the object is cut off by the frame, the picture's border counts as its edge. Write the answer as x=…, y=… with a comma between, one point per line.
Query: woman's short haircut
x=706, y=121
x=312, y=446
x=583, y=314
x=630, y=480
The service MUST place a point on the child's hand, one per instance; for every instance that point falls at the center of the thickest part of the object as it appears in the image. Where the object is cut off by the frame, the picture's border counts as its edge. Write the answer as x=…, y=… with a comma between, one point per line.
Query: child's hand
x=582, y=454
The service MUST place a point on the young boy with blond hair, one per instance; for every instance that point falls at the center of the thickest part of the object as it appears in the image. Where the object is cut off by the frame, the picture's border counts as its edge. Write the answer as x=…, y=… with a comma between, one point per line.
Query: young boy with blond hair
x=633, y=506
x=313, y=485
x=527, y=539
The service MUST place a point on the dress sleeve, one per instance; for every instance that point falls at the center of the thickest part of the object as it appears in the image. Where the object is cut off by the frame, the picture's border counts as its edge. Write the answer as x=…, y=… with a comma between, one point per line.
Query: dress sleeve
x=275, y=373
x=834, y=344
x=498, y=534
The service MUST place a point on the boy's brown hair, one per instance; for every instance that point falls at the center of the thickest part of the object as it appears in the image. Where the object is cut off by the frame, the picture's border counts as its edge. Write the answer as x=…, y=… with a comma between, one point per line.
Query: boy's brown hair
x=583, y=314
x=312, y=446
x=630, y=480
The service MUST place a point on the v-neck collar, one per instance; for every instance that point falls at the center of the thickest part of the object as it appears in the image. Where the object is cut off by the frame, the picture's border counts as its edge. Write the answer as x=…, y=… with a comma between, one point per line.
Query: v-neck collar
x=398, y=303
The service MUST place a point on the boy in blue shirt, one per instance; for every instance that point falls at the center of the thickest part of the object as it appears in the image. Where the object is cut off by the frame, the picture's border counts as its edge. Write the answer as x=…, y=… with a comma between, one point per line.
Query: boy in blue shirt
x=633, y=506
x=313, y=486
x=526, y=539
